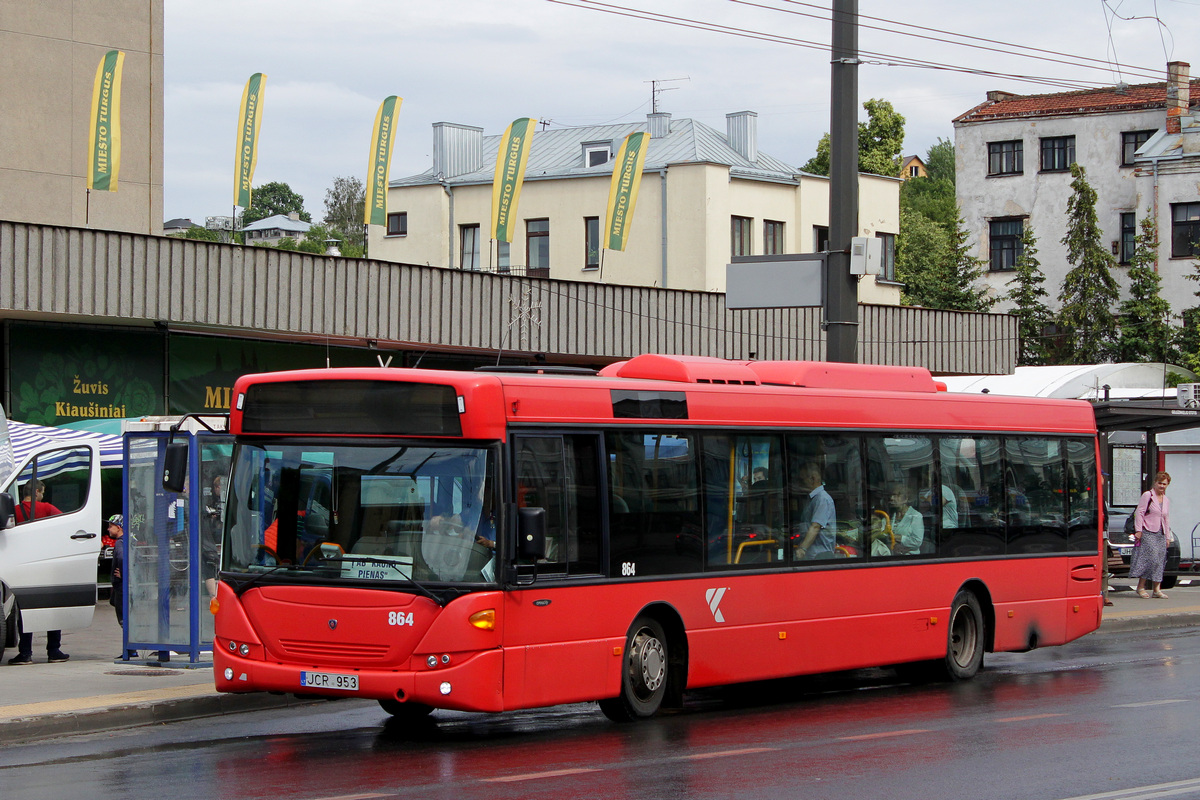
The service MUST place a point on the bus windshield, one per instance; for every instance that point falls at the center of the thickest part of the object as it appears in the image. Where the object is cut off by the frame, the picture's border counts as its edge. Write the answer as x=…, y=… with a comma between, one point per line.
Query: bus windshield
x=362, y=513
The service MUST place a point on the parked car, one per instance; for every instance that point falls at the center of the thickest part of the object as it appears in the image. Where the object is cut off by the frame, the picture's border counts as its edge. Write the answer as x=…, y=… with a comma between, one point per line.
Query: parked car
x=1121, y=543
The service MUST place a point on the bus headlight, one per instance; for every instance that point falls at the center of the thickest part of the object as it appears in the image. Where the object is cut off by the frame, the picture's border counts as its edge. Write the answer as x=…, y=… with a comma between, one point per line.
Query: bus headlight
x=484, y=620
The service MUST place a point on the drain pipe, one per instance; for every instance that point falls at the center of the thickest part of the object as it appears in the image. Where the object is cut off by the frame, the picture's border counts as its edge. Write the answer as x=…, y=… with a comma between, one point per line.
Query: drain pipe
x=662, y=190
x=450, y=233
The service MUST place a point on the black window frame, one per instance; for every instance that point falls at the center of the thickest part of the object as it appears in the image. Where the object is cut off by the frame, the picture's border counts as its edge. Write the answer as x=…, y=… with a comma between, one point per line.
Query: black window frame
x=773, y=237
x=1006, y=158
x=1130, y=142
x=1185, y=230
x=1058, y=152
x=1128, y=241
x=533, y=230
x=887, y=258
x=400, y=226
x=463, y=232
x=1004, y=248
x=741, y=231
x=591, y=243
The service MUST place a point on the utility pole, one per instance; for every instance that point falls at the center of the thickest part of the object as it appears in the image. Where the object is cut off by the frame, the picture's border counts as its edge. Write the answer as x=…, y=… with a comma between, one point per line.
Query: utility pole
x=841, y=301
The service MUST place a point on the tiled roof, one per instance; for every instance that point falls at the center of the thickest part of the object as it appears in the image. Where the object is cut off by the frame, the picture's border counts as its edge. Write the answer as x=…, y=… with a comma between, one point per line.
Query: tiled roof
x=559, y=154
x=1139, y=97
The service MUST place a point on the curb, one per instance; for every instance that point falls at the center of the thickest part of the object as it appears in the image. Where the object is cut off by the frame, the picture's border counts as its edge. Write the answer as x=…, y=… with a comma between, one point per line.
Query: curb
x=23, y=730
x=1148, y=623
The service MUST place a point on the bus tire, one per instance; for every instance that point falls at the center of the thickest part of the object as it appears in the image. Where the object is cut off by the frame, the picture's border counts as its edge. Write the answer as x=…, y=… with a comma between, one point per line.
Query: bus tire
x=1168, y=581
x=643, y=675
x=965, y=640
x=406, y=711
x=3, y=633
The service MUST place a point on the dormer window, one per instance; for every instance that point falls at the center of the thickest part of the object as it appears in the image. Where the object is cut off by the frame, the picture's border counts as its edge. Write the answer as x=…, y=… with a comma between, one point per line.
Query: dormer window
x=596, y=154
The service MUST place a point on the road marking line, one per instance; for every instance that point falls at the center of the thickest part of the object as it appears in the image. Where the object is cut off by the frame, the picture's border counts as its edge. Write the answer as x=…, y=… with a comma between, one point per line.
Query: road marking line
x=533, y=776
x=1149, y=703
x=723, y=753
x=883, y=735
x=1144, y=792
x=353, y=796
x=1031, y=716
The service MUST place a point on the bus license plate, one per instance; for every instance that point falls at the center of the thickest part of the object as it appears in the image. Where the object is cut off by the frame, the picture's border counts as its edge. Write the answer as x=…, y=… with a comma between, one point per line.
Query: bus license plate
x=329, y=680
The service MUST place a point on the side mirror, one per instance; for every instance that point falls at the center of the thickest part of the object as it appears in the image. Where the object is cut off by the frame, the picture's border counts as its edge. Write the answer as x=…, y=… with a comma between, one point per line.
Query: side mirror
x=531, y=533
x=8, y=512
x=175, y=466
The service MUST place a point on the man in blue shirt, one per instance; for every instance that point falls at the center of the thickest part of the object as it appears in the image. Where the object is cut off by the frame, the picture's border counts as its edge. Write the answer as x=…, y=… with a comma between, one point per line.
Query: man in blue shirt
x=818, y=521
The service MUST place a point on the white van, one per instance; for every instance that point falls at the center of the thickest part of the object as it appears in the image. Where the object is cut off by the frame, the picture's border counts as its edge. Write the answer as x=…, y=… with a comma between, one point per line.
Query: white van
x=49, y=542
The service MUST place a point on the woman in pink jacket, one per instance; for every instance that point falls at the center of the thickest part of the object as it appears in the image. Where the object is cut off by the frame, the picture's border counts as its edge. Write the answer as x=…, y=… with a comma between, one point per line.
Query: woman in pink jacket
x=1153, y=532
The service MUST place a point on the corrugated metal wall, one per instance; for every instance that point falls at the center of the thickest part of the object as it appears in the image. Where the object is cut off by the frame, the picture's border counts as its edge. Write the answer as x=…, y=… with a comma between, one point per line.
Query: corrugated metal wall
x=79, y=275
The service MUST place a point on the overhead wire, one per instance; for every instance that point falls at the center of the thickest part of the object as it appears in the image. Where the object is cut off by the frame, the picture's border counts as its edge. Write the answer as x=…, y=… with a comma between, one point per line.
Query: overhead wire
x=872, y=57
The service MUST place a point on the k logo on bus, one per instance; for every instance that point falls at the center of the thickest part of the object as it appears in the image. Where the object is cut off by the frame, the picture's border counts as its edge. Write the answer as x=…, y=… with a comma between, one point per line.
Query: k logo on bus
x=713, y=596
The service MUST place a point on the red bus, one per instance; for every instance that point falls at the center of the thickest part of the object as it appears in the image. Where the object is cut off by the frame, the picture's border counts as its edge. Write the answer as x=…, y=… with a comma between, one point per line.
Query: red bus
x=497, y=540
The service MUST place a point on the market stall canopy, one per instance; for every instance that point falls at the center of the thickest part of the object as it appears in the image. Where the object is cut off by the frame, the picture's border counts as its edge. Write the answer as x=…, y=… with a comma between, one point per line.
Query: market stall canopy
x=26, y=437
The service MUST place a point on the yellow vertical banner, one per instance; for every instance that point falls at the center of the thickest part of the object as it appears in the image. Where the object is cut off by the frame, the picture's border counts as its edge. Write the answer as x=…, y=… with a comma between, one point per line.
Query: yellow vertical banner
x=104, y=126
x=249, y=122
x=511, y=157
x=623, y=191
x=380, y=166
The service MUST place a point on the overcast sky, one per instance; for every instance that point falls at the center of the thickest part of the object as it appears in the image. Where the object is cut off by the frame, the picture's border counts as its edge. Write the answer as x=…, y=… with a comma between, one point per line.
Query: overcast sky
x=486, y=62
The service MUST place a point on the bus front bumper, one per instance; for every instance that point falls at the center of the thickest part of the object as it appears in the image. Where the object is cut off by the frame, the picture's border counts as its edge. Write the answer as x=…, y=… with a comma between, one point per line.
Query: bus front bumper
x=470, y=684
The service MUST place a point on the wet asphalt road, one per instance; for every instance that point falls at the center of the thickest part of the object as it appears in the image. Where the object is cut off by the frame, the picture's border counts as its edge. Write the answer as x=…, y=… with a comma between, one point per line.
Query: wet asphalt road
x=1109, y=713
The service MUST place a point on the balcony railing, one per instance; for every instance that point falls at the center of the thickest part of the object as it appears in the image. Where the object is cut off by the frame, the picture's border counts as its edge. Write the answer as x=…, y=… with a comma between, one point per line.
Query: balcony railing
x=518, y=271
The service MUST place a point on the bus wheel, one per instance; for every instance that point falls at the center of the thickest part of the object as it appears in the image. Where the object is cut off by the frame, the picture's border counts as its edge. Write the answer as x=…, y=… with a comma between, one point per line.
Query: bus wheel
x=644, y=677
x=964, y=648
x=406, y=711
x=1168, y=581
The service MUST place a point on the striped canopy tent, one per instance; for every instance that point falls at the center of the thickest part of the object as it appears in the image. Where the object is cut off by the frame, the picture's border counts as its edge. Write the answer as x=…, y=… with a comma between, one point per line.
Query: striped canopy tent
x=25, y=437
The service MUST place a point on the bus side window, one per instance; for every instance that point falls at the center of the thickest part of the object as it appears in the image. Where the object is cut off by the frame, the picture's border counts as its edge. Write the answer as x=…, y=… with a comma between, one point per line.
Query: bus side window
x=561, y=475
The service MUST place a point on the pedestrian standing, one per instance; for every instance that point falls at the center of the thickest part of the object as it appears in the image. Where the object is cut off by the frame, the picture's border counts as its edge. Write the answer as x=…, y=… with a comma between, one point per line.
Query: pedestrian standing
x=1152, y=533
x=116, y=596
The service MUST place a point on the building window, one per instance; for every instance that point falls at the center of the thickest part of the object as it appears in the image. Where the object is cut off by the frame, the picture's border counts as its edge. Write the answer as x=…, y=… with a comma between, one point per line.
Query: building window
x=537, y=247
x=591, y=243
x=772, y=237
x=1006, y=158
x=1130, y=142
x=739, y=236
x=1128, y=236
x=503, y=256
x=468, y=241
x=1058, y=153
x=887, y=260
x=820, y=238
x=1185, y=230
x=397, y=224
x=1005, y=238
x=596, y=155
x=914, y=171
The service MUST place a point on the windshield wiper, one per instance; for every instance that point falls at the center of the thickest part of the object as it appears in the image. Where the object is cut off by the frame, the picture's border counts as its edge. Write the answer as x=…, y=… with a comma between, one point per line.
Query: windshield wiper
x=385, y=562
x=246, y=585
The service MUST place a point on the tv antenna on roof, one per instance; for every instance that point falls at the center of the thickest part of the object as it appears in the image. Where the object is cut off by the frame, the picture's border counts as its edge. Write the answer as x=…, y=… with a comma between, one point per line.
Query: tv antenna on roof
x=655, y=91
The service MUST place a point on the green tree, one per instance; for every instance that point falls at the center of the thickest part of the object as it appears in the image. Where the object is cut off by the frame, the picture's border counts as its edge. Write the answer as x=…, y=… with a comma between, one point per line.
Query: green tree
x=934, y=196
x=880, y=140
x=1187, y=337
x=344, y=203
x=939, y=161
x=922, y=248
x=965, y=293
x=1028, y=297
x=1089, y=293
x=274, y=198
x=1145, y=316
x=200, y=234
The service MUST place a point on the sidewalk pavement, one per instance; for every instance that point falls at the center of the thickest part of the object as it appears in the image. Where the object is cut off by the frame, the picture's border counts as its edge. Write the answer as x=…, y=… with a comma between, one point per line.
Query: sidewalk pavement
x=90, y=693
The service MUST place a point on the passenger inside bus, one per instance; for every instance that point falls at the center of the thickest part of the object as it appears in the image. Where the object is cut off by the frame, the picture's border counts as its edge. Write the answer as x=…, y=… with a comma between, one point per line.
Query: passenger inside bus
x=814, y=534
x=908, y=526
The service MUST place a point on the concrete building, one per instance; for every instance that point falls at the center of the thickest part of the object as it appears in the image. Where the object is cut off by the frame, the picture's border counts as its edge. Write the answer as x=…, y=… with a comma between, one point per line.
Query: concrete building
x=1123, y=137
x=49, y=51
x=705, y=196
